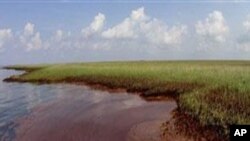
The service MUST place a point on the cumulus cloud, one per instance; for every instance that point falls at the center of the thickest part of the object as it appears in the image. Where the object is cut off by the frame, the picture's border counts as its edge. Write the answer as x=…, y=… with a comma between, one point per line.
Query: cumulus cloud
x=30, y=38
x=98, y=22
x=159, y=33
x=213, y=27
x=246, y=24
x=96, y=25
x=122, y=30
x=29, y=29
x=127, y=28
x=59, y=39
x=142, y=27
x=139, y=15
x=59, y=35
x=138, y=26
x=243, y=41
x=5, y=35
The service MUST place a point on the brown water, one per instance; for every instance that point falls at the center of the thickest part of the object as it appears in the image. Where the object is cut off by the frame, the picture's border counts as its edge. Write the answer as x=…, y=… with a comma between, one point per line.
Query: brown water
x=61, y=112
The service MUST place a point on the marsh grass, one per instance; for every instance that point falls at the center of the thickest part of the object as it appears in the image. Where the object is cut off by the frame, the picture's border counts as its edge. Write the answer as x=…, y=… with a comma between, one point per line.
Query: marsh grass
x=216, y=93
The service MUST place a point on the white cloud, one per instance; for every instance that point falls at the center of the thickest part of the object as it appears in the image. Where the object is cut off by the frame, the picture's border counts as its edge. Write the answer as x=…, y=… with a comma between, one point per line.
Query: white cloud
x=122, y=30
x=127, y=28
x=35, y=42
x=213, y=27
x=244, y=46
x=142, y=27
x=59, y=39
x=5, y=35
x=96, y=25
x=98, y=22
x=59, y=35
x=246, y=24
x=243, y=41
x=159, y=33
x=29, y=29
x=30, y=38
x=139, y=15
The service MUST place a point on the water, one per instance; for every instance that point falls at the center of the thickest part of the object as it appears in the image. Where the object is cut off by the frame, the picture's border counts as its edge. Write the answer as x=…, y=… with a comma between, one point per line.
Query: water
x=17, y=100
x=70, y=112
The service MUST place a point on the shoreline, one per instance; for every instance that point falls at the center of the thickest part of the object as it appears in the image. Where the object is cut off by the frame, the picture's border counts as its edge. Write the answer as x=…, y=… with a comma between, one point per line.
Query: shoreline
x=175, y=127
x=81, y=113
x=97, y=86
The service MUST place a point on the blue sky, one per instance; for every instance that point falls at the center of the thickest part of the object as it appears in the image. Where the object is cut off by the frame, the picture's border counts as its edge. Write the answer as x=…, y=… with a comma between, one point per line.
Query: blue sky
x=75, y=31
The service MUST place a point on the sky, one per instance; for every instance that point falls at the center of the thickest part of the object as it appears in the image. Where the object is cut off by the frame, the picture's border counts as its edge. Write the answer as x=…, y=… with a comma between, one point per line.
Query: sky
x=56, y=31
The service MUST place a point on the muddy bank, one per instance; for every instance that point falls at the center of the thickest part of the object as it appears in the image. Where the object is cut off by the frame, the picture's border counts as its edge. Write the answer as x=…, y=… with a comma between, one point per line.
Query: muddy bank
x=97, y=117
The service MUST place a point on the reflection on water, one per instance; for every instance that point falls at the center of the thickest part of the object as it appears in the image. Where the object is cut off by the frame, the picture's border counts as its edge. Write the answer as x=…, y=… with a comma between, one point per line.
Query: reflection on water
x=17, y=100
x=53, y=109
